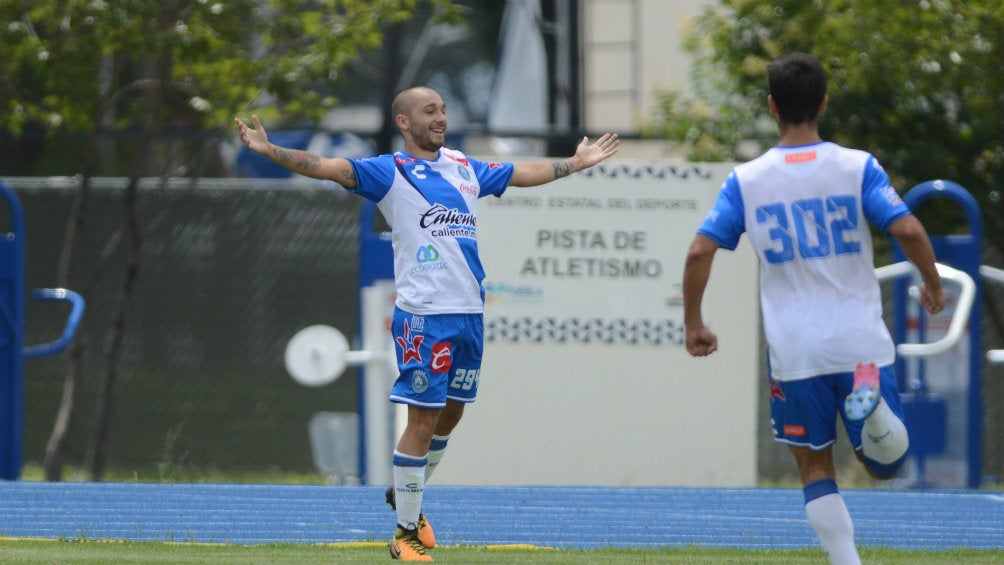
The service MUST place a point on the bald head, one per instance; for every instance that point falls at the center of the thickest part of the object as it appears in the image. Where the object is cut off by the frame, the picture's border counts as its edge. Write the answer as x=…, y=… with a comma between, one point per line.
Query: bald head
x=406, y=100
x=420, y=116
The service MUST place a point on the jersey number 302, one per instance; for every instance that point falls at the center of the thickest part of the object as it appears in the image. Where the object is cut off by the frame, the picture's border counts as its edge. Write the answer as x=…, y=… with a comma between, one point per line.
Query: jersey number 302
x=821, y=227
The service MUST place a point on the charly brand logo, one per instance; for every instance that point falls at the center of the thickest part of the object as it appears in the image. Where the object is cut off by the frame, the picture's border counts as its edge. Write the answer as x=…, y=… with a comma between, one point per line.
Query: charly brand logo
x=419, y=172
x=800, y=157
x=419, y=381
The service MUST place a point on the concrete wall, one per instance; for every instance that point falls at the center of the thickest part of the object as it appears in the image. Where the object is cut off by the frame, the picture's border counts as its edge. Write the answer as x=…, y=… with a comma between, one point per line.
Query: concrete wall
x=630, y=48
x=585, y=379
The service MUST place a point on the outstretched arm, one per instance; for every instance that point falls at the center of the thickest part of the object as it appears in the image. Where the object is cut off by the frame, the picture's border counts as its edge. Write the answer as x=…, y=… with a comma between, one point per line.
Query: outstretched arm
x=302, y=162
x=916, y=245
x=700, y=340
x=533, y=173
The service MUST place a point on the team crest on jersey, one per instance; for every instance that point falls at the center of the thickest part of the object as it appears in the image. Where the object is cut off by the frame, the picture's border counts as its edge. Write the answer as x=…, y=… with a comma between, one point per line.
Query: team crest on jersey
x=462, y=170
x=419, y=381
x=891, y=196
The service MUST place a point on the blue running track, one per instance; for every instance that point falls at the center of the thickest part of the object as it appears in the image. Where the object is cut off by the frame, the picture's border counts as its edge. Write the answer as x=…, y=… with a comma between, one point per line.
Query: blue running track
x=751, y=518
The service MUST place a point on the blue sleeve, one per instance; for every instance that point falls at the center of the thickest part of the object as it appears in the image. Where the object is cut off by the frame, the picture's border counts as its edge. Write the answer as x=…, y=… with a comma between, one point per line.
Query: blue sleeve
x=726, y=221
x=879, y=199
x=493, y=177
x=374, y=176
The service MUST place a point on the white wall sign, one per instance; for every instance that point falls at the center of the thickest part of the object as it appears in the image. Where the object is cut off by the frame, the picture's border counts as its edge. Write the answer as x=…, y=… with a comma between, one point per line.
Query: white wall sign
x=585, y=378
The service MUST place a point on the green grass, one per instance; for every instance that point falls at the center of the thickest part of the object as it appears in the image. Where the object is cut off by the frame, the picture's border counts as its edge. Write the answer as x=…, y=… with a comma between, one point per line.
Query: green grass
x=96, y=552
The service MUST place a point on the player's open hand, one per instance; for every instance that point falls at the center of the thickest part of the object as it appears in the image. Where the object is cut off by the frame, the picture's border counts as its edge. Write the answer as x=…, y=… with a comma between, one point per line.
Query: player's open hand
x=701, y=341
x=589, y=154
x=254, y=138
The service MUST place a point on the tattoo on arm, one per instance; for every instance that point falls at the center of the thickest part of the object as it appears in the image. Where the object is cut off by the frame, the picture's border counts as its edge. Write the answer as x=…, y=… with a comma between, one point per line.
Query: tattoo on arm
x=296, y=159
x=562, y=168
x=348, y=175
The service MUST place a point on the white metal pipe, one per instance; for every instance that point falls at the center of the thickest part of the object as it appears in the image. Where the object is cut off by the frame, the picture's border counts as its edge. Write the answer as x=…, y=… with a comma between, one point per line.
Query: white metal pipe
x=960, y=317
x=992, y=273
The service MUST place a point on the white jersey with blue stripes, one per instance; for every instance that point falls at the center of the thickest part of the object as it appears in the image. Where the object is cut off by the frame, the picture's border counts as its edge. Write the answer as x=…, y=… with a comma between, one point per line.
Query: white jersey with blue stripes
x=804, y=210
x=431, y=206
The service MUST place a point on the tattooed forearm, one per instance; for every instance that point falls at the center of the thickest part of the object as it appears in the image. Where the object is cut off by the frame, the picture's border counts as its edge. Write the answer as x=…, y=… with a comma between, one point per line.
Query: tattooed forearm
x=562, y=168
x=348, y=176
x=296, y=159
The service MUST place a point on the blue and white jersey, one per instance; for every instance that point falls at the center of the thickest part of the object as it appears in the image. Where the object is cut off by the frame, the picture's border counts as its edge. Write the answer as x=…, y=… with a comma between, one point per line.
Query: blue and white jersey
x=432, y=209
x=803, y=209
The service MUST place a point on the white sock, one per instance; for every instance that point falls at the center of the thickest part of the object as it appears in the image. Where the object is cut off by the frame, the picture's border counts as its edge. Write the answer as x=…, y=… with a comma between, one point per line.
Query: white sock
x=409, y=484
x=832, y=522
x=884, y=438
x=437, y=448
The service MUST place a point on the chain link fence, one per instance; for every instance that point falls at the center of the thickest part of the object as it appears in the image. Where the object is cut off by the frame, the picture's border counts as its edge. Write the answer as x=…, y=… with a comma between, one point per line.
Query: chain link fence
x=230, y=270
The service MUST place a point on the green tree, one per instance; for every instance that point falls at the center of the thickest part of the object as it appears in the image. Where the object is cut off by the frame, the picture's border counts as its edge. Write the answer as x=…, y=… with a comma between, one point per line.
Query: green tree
x=916, y=83
x=78, y=70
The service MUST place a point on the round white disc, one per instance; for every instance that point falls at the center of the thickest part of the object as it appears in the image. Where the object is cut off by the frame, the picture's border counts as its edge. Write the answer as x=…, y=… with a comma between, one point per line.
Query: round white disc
x=316, y=355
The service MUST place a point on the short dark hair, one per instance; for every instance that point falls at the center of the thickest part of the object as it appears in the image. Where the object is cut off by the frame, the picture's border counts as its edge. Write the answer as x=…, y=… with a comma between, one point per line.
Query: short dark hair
x=798, y=86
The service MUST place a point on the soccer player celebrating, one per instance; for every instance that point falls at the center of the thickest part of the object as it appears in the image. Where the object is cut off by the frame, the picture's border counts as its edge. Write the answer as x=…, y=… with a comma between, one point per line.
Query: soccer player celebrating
x=428, y=194
x=803, y=205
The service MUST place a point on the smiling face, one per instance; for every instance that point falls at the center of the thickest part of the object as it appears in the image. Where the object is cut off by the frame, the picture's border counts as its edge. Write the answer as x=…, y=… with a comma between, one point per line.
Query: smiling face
x=420, y=114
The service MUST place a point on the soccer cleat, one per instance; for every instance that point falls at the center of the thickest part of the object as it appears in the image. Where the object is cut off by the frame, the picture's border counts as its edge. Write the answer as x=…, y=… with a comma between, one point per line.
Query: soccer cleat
x=425, y=533
x=406, y=547
x=866, y=394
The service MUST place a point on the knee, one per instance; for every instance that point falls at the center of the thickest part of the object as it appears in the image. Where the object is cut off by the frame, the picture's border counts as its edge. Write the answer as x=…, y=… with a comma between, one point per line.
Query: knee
x=883, y=471
x=449, y=418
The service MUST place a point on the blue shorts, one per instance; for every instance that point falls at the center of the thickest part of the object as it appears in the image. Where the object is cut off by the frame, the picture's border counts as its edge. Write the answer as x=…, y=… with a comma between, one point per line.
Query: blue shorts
x=804, y=412
x=438, y=358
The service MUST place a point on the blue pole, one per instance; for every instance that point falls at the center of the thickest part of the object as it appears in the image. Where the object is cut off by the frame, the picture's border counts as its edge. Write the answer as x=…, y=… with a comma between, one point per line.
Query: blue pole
x=962, y=252
x=376, y=262
x=12, y=261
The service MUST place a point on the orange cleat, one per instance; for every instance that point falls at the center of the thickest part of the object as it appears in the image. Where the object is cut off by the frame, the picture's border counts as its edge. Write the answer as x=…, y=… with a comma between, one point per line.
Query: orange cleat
x=425, y=534
x=406, y=547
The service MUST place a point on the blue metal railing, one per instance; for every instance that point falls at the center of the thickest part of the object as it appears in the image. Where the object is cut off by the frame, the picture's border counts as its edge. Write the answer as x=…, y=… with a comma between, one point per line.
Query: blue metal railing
x=12, y=351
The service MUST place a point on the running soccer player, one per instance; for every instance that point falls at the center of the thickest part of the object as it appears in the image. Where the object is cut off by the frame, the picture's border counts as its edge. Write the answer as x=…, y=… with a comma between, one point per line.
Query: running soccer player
x=428, y=194
x=804, y=205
